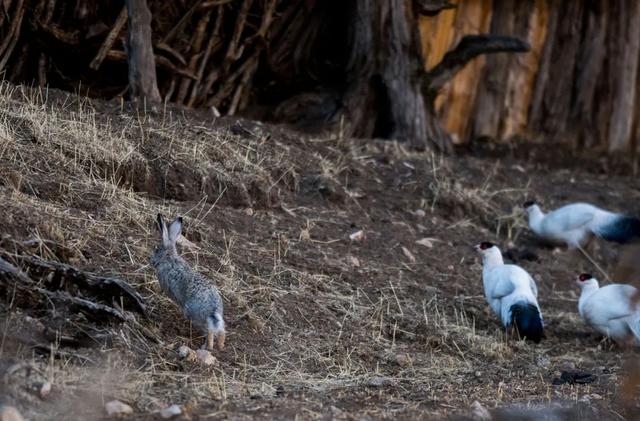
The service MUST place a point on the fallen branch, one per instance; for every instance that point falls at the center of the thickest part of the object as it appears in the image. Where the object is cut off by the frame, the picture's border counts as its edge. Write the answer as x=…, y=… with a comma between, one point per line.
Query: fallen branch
x=432, y=7
x=108, y=288
x=109, y=40
x=164, y=47
x=94, y=311
x=163, y=62
x=7, y=268
x=467, y=49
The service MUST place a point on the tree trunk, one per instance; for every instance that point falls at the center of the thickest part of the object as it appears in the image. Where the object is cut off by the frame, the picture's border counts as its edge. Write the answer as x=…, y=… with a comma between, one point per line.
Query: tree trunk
x=143, y=84
x=389, y=94
x=495, y=98
x=384, y=81
x=627, y=46
x=553, y=92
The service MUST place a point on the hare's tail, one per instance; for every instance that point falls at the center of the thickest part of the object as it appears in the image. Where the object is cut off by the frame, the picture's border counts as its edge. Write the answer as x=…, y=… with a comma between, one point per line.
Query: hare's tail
x=215, y=330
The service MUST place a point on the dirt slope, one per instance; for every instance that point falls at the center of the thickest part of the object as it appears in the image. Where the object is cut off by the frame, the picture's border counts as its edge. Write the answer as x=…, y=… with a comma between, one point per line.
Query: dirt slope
x=319, y=326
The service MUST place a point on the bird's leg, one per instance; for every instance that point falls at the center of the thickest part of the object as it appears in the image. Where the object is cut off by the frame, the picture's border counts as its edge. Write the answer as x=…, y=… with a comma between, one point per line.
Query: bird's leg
x=593, y=262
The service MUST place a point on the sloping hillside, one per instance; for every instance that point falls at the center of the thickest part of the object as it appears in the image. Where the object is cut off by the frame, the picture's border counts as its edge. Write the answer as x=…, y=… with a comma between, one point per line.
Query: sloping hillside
x=391, y=324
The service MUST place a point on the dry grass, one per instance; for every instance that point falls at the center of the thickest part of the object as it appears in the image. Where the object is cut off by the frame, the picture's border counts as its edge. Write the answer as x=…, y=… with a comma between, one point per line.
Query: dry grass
x=318, y=325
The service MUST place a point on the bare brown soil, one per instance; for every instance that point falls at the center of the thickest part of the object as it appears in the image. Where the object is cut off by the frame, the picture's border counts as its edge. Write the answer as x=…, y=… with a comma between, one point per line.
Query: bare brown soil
x=319, y=326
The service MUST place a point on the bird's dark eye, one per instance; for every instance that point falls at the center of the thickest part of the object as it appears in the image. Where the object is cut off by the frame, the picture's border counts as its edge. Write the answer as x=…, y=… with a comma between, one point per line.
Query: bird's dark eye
x=485, y=245
x=528, y=203
x=585, y=277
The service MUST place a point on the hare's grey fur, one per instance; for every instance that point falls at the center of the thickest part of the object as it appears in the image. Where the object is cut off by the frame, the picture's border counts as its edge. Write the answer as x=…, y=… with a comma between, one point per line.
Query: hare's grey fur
x=198, y=298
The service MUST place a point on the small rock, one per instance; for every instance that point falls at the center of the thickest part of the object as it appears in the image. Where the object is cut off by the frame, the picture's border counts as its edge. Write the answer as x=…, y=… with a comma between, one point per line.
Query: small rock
x=479, y=412
x=408, y=255
x=45, y=389
x=357, y=236
x=249, y=211
x=205, y=357
x=171, y=411
x=427, y=242
x=116, y=408
x=354, y=261
x=187, y=353
x=420, y=213
x=9, y=413
x=305, y=235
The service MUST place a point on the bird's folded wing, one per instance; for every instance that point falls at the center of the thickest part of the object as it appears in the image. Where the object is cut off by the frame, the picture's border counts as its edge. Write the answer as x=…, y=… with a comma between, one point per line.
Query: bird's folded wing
x=568, y=219
x=610, y=304
x=502, y=285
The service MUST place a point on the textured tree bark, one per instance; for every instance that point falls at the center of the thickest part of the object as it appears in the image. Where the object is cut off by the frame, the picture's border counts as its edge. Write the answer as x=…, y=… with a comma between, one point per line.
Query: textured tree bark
x=143, y=84
x=589, y=65
x=553, y=92
x=389, y=94
x=384, y=96
x=626, y=24
x=493, y=98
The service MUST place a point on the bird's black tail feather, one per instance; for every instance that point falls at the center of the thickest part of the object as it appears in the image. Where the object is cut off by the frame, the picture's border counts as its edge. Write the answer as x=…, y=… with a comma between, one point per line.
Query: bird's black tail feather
x=526, y=318
x=622, y=230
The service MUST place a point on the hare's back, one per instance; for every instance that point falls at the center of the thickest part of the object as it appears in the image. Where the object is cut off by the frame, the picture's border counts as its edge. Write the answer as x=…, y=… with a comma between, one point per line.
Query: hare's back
x=203, y=298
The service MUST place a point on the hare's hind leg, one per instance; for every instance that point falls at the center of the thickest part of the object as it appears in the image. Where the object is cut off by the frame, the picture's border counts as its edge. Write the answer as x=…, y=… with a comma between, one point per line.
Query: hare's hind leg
x=210, y=337
x=220, y=339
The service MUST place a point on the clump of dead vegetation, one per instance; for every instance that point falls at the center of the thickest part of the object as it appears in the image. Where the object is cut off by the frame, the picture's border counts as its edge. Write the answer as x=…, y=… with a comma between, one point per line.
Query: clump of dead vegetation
x=388, y=323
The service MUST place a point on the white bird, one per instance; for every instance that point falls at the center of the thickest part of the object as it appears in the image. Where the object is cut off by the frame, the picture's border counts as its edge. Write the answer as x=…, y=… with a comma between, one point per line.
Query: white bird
x=577, y=223
x=611, y=310
x=511, y=292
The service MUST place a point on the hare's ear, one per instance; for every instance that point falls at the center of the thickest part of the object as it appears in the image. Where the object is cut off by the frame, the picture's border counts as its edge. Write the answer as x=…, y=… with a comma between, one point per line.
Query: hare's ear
x=162, y=229
x=175, y=229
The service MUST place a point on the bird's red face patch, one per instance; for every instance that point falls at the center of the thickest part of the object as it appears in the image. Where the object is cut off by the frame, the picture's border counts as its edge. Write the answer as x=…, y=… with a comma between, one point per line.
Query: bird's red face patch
x=485, y=245
x=584, y=277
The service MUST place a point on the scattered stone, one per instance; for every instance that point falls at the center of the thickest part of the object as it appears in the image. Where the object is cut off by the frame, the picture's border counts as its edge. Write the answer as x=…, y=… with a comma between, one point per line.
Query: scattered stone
x=187, y=353
x=9, y=413
x=357, y=236
x=205, y=357
x=249, y=211
x=427, y=242
x=171, y=411
x=479, y=412
x=354, y=261
x=305, y=235
x=420, y=213
x=45, y=389
x=408, y=255
x=117, y=408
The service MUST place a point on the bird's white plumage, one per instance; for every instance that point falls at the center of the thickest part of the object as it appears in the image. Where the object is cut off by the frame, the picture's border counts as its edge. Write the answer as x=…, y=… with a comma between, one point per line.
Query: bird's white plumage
x=506, y=285
x=571, y=224
x=611, y=310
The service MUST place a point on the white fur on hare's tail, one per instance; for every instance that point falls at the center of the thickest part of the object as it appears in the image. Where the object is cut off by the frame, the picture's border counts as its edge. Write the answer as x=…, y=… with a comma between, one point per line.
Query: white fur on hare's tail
x=196, y=295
